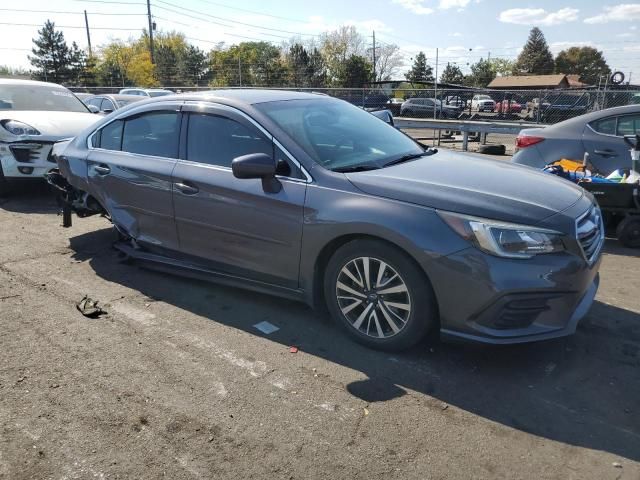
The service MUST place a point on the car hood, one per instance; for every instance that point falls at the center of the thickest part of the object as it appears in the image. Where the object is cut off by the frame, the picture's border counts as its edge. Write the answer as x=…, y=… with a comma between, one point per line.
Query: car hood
x=472, y=185
x=51, y=125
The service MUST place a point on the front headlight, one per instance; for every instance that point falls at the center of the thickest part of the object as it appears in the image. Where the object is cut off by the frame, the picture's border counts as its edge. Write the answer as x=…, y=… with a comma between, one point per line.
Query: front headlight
x=504, y=239
x=18, y=128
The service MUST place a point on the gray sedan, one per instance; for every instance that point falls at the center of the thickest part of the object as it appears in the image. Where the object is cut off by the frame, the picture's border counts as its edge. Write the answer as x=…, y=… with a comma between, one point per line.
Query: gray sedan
x=311, y=198
x=601, y=134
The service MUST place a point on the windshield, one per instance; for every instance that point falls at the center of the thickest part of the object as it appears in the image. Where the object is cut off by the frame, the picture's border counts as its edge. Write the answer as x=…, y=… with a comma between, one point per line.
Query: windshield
x=122, y=103
x=39, y=98
x=338, y=135
x=484, y=97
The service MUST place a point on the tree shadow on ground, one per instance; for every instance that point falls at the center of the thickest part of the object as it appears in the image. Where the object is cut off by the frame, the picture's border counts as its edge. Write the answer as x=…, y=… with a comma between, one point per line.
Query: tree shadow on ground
x=582, y=390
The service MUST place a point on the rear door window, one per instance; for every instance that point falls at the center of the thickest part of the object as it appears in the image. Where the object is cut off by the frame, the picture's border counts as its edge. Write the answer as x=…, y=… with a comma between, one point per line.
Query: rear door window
x=217, y=140
x=154, y=133
x=606, y=126
x=107, y=105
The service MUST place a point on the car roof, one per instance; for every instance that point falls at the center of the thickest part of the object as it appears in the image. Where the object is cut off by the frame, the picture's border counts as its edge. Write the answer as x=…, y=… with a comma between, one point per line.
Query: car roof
x=118, y=96
x=248, y=96
x=17, y=81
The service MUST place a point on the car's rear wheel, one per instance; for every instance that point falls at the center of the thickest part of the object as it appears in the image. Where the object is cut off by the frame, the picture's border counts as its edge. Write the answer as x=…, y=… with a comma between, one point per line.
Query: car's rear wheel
x=378, y=295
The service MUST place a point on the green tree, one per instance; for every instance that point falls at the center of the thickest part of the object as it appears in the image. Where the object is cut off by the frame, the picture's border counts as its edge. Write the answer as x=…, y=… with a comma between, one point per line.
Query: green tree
x=50, y=55
x=535, y=58
x=420, y=70
x=317, y=71
x=298, y=63
x=482, y=72
x=356, y=72
x=255, y=63
x=452, y=74
x=503, y=67
x=587, y=62
x=193, y=65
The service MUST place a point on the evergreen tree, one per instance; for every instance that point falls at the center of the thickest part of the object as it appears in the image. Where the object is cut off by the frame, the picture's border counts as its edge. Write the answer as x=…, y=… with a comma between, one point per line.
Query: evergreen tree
x=298, y=63
x=535, y=58
x=420, y=70
x=452, y=74
x=587, y=62
x=193, y=65
x=317, y=69
x=50, y=55
x=356, y=72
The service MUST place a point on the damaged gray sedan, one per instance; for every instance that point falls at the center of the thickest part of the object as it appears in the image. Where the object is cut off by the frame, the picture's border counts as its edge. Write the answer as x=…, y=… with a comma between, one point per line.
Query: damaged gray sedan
x=308, y=197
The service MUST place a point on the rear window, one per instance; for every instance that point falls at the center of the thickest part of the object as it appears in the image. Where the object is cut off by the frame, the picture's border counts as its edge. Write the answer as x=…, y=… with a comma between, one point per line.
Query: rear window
x=39, y=98
x=628, y=125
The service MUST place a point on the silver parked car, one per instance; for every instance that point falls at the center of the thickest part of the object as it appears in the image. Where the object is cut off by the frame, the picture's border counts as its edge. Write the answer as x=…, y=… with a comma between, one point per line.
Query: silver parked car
x=311, y=198
x=105, y=104
x=146, y=92
x=601, y=134
x=34, y=115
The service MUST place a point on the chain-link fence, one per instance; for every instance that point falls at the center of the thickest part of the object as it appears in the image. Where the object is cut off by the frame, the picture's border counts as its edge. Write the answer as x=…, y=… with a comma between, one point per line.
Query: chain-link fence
x=522, y=106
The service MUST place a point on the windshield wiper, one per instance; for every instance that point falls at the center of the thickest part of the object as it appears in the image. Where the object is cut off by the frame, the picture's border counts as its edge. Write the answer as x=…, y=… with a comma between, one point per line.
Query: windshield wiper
x=355, y=168
x=406, y=158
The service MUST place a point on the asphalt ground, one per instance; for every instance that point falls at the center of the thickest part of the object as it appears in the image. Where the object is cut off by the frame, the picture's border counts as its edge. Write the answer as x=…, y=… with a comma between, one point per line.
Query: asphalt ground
x=174, y=381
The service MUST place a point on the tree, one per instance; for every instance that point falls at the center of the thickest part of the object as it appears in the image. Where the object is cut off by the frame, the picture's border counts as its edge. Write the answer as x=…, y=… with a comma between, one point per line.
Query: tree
x=298, y=63
x=337, y=47
x=388, y=60
x=452, y=74
x=587, y=62
x=317, y=72
x=50, y=55
x=482, y=72
x=356, y=72
x=247, y=63
x=535, y=58
x=420, y=70
x=193, y=65
x=503, y=67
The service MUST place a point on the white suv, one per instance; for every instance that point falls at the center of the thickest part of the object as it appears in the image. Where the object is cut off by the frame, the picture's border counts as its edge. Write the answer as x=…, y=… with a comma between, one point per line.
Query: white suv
x=145, y=92
x=483, y=103
x=33, y=116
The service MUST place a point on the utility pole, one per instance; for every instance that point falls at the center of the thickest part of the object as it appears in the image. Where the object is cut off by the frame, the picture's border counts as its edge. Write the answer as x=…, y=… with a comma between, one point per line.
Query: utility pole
x=489, y=57
x=240, y=69
x=86, y=23
x=150, y=31
x=435, y=89
x=374, y=56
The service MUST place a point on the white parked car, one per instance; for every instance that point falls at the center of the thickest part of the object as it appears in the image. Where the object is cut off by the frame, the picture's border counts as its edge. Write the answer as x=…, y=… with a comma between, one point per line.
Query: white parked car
x=483, y=103
x=33, y=116
x=145, y=92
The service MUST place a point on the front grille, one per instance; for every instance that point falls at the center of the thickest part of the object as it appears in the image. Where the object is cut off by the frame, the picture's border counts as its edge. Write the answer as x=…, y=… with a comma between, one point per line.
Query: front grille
x=590, y=233
x=30, y=152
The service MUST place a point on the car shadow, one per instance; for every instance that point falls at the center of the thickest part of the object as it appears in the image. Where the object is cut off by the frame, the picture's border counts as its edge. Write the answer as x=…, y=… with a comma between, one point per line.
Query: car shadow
x=582, y=390
x=32, y=197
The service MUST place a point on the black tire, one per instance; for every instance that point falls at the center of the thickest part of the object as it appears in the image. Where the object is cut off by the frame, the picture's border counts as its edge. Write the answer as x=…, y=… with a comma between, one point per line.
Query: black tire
x=419, y=297
x=628, y=232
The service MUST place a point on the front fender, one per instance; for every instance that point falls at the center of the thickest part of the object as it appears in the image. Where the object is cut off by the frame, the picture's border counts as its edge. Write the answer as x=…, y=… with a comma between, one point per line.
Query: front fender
x=334, y=214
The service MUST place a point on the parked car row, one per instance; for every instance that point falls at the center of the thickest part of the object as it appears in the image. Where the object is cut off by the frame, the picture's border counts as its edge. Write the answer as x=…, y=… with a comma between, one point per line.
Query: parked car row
x=309, y=197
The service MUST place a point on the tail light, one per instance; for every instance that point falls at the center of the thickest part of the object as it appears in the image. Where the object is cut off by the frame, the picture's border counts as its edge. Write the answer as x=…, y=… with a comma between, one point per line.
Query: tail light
x=524, y=141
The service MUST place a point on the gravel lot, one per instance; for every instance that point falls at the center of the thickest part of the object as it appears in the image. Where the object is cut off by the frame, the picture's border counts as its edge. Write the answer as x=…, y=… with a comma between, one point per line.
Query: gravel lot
x=175, y=382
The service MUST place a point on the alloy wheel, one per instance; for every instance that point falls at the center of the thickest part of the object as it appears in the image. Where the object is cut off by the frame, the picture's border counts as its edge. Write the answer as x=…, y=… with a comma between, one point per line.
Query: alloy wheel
x=373, y=297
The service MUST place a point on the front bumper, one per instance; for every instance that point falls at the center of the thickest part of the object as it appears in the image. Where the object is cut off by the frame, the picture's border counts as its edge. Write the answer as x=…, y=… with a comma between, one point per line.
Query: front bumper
x=26, y=159
x=495, y=300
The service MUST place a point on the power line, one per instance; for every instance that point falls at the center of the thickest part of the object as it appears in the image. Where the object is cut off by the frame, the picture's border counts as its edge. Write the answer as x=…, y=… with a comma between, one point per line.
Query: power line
x=66, y=26
x=253, y=11
x=234, y=21
x=68, y=12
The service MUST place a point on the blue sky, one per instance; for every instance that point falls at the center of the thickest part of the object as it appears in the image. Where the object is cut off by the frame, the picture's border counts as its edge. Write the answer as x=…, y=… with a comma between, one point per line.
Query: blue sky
x=462, y=30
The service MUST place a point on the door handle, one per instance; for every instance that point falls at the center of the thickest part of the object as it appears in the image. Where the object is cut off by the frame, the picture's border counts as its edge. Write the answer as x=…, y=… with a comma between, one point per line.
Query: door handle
x=186, y=188
x=102, y=169
x=605, y=153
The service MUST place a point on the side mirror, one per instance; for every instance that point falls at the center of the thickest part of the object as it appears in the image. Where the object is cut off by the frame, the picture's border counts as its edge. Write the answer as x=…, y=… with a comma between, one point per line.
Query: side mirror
x=93, y=109
x=257, y=165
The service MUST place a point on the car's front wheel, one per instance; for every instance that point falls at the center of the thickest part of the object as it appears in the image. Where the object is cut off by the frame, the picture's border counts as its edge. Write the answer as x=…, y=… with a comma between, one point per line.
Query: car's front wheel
x=378, y=295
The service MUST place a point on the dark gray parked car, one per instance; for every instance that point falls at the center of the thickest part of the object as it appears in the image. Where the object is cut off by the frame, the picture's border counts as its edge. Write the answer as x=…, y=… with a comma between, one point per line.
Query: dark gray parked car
x=600, y=133
x=312, y=198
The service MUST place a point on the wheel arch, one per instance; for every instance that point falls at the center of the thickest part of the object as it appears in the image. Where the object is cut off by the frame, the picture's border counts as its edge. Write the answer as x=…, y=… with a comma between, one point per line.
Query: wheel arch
x=315, y=296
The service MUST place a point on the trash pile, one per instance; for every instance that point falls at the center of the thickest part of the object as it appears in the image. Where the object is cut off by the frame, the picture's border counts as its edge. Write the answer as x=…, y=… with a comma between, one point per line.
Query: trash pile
x=580, y=172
